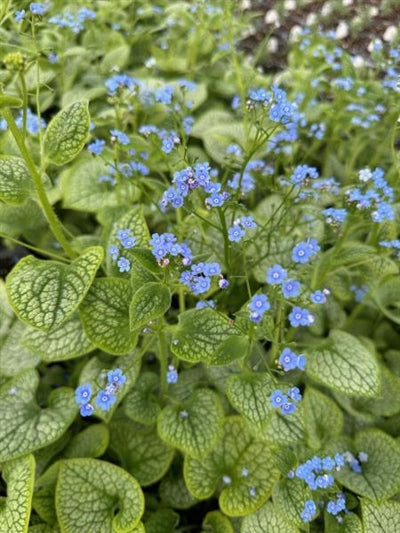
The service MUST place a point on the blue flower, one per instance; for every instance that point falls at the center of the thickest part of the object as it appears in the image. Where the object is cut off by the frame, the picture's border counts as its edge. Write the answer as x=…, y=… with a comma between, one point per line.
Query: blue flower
x=83, y=394
x=105, y=400
x=248, y=222
x=259, y=303
x=38, y=9
x=288, y=360
x=309, y=511
x=86, y=409
x=291, y=288
x=128, y=242
x=278, y=399
x=288, y=408
x=236, y=234
x=113, y=251
x=172, y=375
x=303, y=251
x=201, y=304
x=124, y=264
x=116, y=377
x=300, y=317
x=19, y=15
x=318, y=297
x=97, y=146
x=276, y=275
x=120, y=136
x=294, y=394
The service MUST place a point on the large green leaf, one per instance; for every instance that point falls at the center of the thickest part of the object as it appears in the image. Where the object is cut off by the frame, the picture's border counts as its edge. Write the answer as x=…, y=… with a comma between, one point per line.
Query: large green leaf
x=91, y=442
x=173, y=490
x=67, y=133
x=193, y=426
x=15, y=182
x=66, y=342
x=344, y=364
x=382, y=518
x=25, y=426
x=387, y=298
x=45, y=293
x=289, y=497
x=19, y=475
x=97, y=497
x=14, y=356
x=350, y=523
x=284, y=429
x=240, y=465
x=151, y=301
x=249, y=394
x=268, y=519
x=105, y=315
x=141, y=403
x=216, y=522
x=380, y=476
x=199, y=335
x=162, y=521
x=141, y=452
x=323, y=418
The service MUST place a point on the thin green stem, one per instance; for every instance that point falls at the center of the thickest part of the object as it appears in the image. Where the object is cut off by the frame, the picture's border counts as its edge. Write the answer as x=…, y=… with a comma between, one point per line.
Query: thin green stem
x=34, y=248
x=54, y=222
x=24, y=103
x=224, y=228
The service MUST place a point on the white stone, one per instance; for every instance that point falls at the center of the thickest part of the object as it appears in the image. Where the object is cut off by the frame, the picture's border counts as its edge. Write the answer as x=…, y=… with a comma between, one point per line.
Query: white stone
x=272, y=17
x=342, y=30
x=390, y=34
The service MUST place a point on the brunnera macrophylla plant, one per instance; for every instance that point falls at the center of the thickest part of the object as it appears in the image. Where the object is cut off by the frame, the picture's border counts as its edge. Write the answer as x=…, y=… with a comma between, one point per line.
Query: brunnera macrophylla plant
x=200, y=327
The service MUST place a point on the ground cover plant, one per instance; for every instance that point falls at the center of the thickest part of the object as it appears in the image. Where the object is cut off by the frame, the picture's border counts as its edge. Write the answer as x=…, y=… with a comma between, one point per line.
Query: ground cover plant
x=199, y=317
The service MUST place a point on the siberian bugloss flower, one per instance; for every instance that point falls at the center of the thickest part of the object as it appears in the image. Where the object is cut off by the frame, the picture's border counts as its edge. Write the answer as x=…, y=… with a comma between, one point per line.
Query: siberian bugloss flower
x=96, y=147
x=289, y=360
x=303, y=251
x=236, y=234
x=172, y=375
x=124, y=264
x=258, y=305
x=105, y=400
x=83, y=394
x=116, y=377
x=119, y=136
x=276, y=275
x=319, y=297
x=300, y=317
x=291, y=288
x=309, y=511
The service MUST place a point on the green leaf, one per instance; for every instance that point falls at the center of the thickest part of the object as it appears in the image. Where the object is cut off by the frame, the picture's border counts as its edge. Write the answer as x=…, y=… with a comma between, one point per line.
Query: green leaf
x=268, y=519
x=286, y=430
x=323, y=418
x=383, y=518
x=91, y=442
x=25, y=427
x=240, y=465
x=14, y=356
x=135, y=221
x=289, y=497
x=15, y=181
x=193, y=426
x=173, y=490
x=350, y=524
x=249, y=395
x=216, y=522
x=97, y=497
x=148, y=303
x=199, y=335
x=141, y=403
x=162, y=521
x=9, y=101
x=19, y=474
x=27, y=220
x=343, y=363
x=105, y=315
x=67, y=133
x=45, y=293
x=380, y=477
x=387, y=297
x=232, y=348
x=66, y=342
x=141, y=452
x=43, y=497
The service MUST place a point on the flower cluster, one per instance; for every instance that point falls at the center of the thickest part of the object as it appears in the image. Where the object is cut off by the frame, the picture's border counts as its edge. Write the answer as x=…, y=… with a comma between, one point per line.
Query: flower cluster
x=168, y=138
x=238, y=230
x=104, y=398
x=258, y=305
x=302, y=174
x=394, y=244
x=193, y=178
x=286, y=403
x=309, y=511
x=300, y=316
x=167, y=244
x=71, y=21
x=127, y=241
x=198, y=278
x=290, y=360
x=316, y=471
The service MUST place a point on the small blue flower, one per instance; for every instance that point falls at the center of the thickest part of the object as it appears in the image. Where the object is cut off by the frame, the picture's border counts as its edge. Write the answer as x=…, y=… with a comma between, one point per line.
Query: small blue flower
x=113, y=251
x=294, y=394
x=303, y=251
x=38, y=9
x=124, y=264
x=120, y=136
x=236, y=234
x=278, y=399
x=105, y=400
x=201, y=304
x=97, y=146
x=291, y=288
x=276, y=275
x=116, y=377
x=288, y=408
x=19, y=15
x=318, y=297
x=300, y=317
x=248, y=222
x=86, y=409
x=288, y=360
x=128, y=242
x=259, y=303
x=83, y=394
x=172, y=375
x=309, y=511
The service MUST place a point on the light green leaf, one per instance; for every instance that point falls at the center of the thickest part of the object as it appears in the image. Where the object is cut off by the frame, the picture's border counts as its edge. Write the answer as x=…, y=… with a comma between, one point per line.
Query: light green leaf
x=241, y=466
x=19, y=474
x=135, y=221
x=141, y=452
x=14, y=356
x=350, y=524
x=232, y=348
x=91, y=442
x=97, y=497
x=193, y=426
x=343, y=363
x=387, y=297
x=43, y=497
x=216, y=522
x=162, y=521
x=95, y=372
x=289, y=497
x=383, y=518
x=43, y=528
x=249, y=394
x=284, y=429
x=66, y=342
x=151, y=301
x=45, y=293
x=323, y=418
x=268, y=519
x=15, y=181
x=105, y=315
x=209, y=119
x=380, y=476
x=27, y=220
x=67, y=133
x=220, y=136
x=25, y=427
x=173, y=490
x=141, y=403
x=199, y=335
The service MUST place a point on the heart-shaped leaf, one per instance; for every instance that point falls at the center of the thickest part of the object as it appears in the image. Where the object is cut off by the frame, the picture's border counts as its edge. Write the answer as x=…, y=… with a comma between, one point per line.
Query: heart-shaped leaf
x=383, y=518
x=193, y=426
x=141, y=403
x=240, y=465
x=45, y=293
x=216, y=521
x=97, y=497
x=15, y=181
x=15, y=511
x=105, y=315
x=323, y=418
x=14, y=356
x=67, y=133
x=268, y=519
x=25, y=427
x=91, y=442
x=151, y=301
